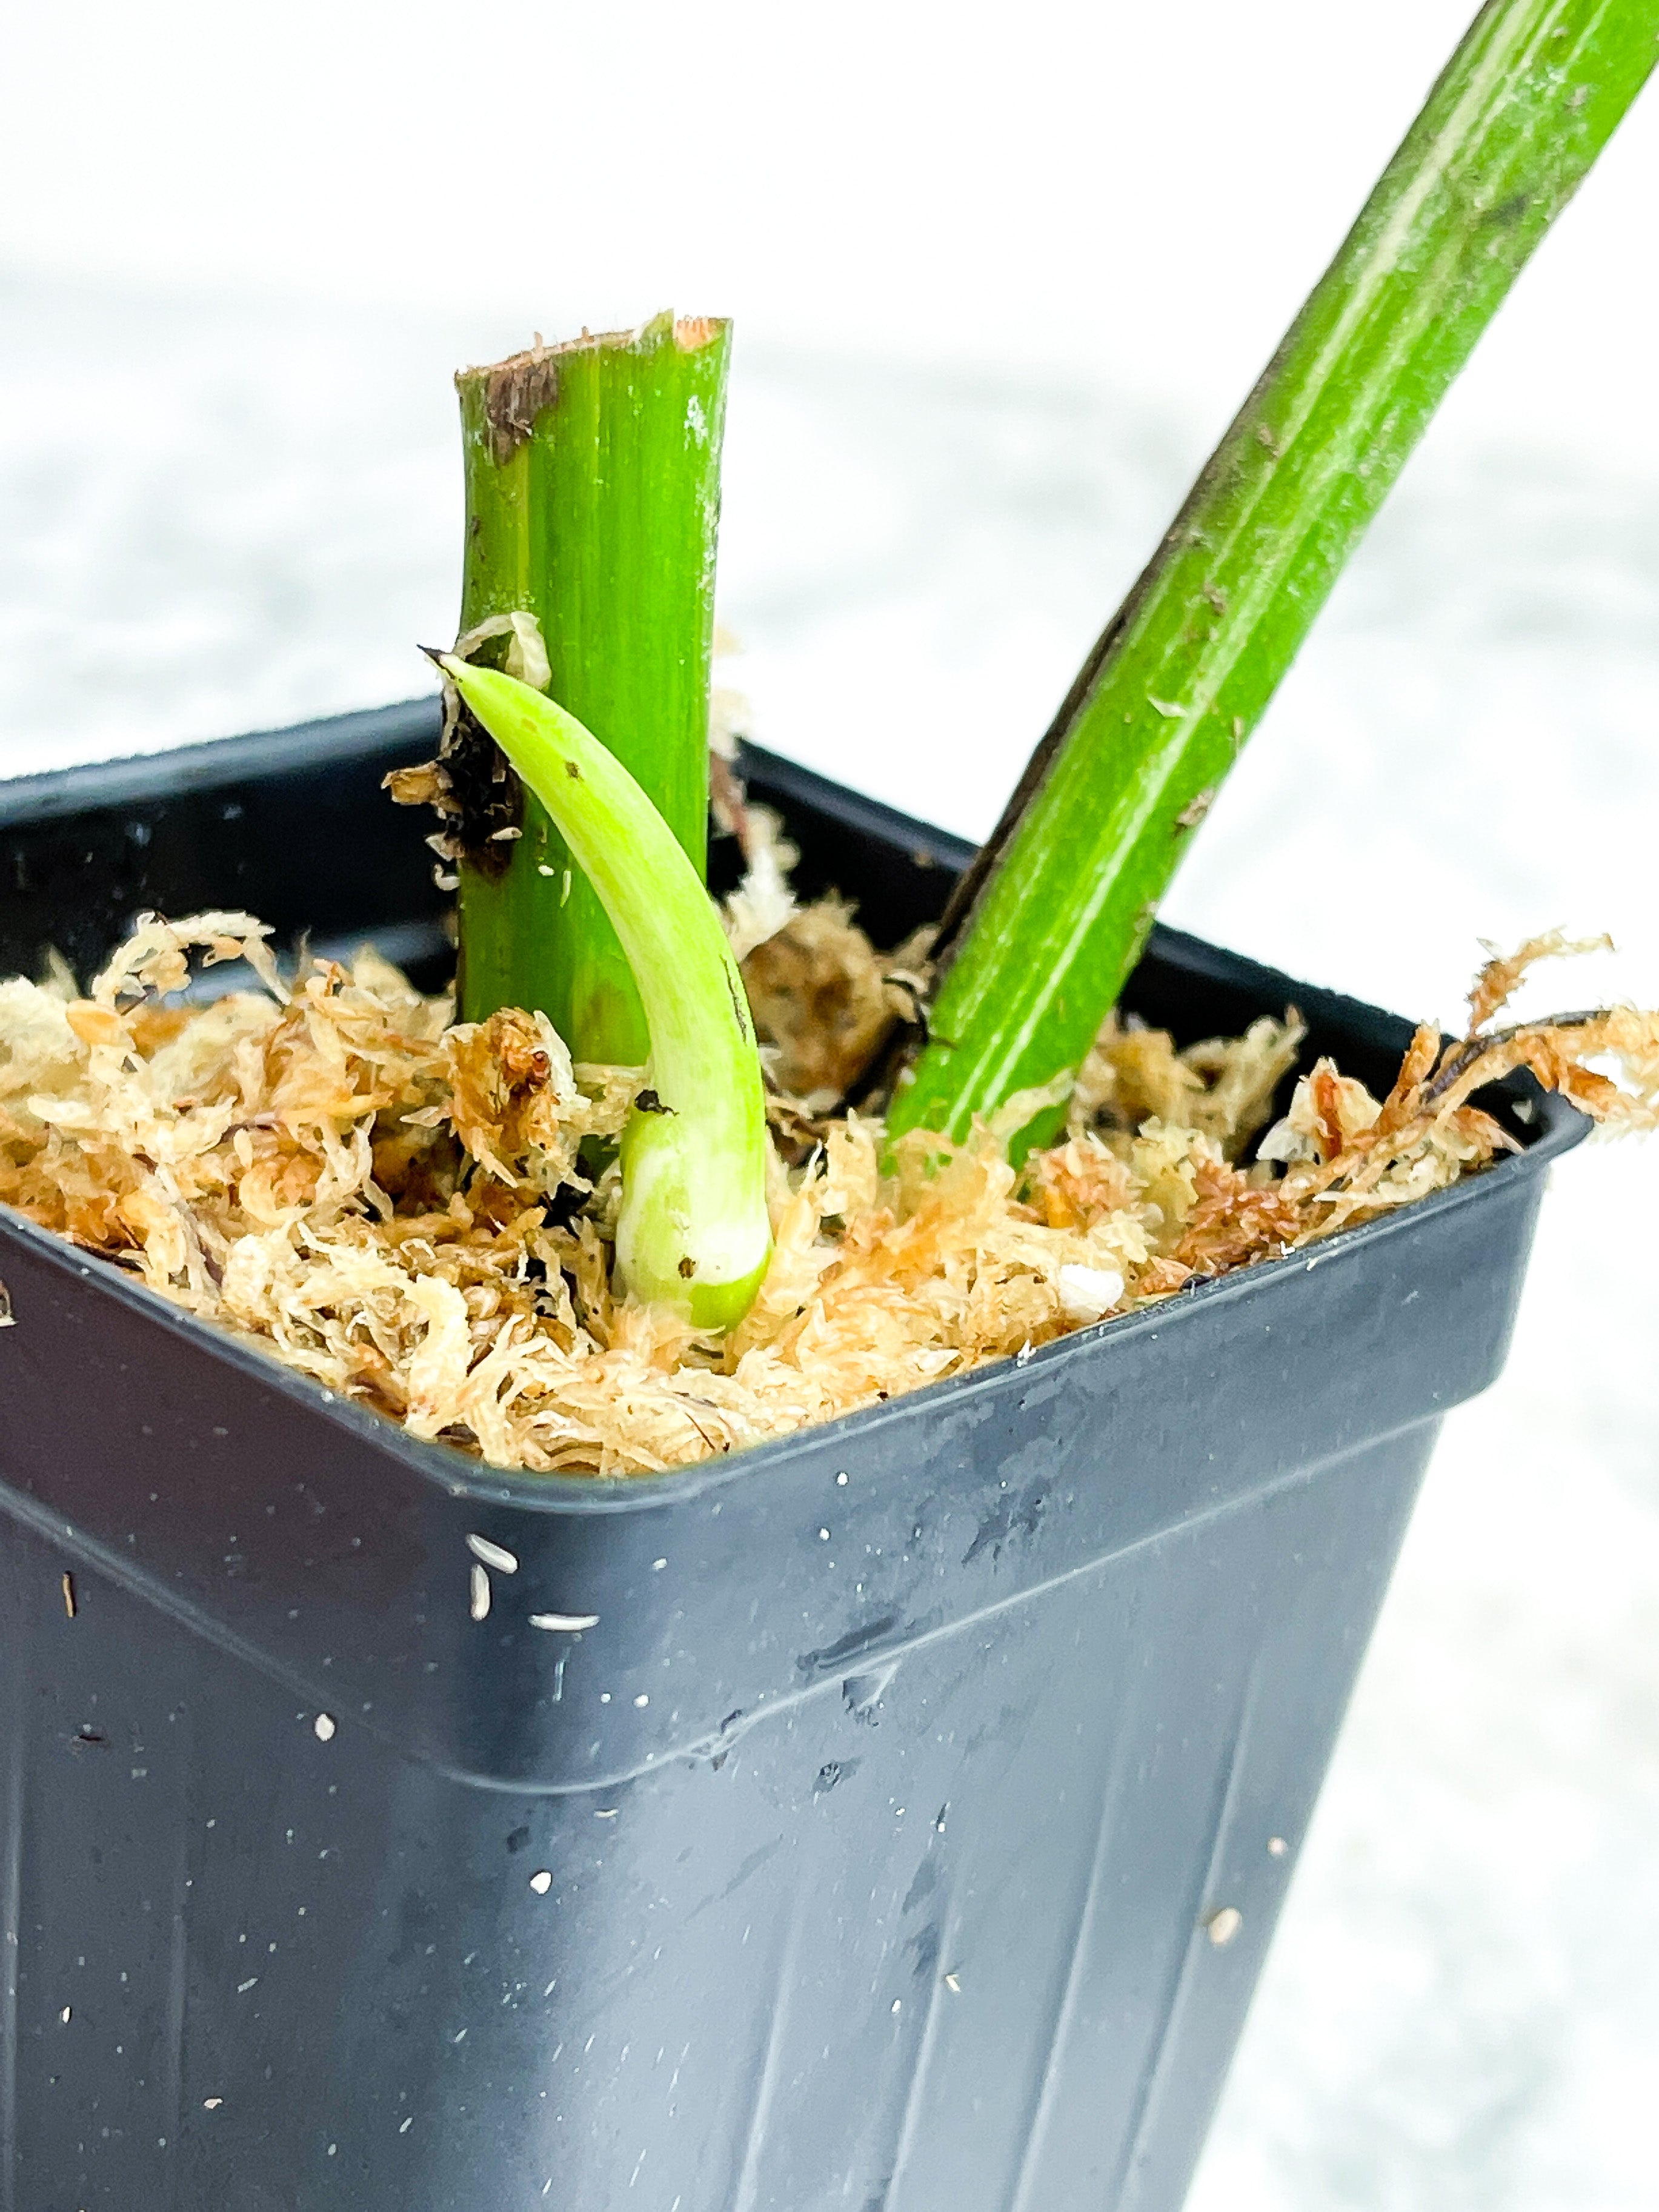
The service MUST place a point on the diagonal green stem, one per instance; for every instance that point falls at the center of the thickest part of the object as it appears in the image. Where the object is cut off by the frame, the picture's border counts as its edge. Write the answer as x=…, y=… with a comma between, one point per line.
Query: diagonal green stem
x=592, y=502
x=1049, y=922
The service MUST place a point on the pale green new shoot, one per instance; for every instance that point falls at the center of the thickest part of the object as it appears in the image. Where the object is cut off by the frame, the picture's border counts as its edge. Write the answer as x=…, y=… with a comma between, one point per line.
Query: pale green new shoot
x=694, y=1231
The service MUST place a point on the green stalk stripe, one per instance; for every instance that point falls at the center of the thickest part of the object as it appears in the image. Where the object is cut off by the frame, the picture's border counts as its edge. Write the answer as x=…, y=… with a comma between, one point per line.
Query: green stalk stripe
x=592, y=502
x=1061, y=902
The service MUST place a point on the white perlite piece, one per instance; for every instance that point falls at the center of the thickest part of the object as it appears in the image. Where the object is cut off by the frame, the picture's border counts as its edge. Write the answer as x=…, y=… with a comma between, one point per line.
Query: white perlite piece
x=478, y=1602
x=572, y=1621
x=1089, y=1293
x=541, y=1882
x=323, y=1727
x=1222, y=1927
x=492, y=1554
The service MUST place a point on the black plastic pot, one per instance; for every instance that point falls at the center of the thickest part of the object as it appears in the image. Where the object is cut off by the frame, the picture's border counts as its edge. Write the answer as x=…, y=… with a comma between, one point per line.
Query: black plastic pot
x=866, y=1850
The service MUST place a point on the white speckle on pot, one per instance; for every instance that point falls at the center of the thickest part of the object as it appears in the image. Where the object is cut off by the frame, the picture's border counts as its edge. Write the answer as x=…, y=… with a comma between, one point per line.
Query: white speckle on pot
x=334, y=2150
x=478, y=1600
x=823, y=1535
x=1089, y=1293
x=1277, y=1847
x=541, y=1882
x=1221, y=1926
x=211, y=2104
x=492, y=1555
x=242, y=1988
x=610, y=1813
x=410, y=2122
x=641, y=1701
x=953, y=1985
x=657, y=1565
x=572, y=1622
x=461, y=2038
x=322, y=1728
x=67, y=2014
x=1026, y=1351
x=897, y=2003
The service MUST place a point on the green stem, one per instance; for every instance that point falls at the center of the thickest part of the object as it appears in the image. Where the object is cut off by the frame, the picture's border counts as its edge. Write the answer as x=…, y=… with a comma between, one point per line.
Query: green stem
x=694, y=1231
x=592, y=503
x=1050, y=921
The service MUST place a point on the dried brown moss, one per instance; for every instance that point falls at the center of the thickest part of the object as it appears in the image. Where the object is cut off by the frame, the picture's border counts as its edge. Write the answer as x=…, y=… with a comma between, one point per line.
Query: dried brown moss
x=397, y=1206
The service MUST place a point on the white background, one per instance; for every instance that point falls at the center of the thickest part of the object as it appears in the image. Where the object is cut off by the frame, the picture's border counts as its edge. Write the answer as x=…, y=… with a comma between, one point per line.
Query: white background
x=999, y=277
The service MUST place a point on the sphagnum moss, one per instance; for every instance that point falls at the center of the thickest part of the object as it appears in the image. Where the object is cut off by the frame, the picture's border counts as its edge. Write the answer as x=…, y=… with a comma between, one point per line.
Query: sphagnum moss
x=397, y=1205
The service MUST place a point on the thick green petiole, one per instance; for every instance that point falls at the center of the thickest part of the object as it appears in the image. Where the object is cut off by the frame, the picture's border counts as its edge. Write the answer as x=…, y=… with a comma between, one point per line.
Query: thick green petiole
x=694, y=1231
x=1049, y=923
x=592, y=502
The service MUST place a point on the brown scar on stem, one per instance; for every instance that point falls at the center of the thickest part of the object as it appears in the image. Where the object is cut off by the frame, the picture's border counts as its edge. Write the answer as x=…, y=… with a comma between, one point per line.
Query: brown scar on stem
x=477, y=796
x=1195, y=810
x=515, y=392
x=739, y=1008
x=520, y=389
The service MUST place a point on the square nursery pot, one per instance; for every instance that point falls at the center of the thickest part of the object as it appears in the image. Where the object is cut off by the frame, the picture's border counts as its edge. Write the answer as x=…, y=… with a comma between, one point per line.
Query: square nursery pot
x=907, y=1830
